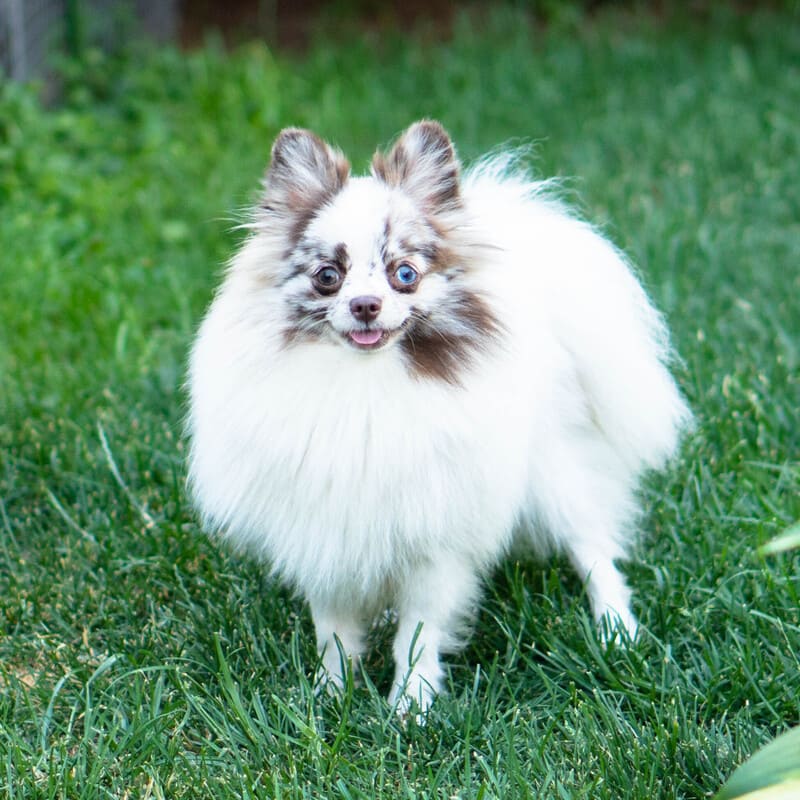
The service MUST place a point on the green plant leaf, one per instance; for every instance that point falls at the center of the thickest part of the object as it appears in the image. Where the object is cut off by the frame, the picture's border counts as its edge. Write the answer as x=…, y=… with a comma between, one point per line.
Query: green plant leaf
x=773, y=773
x=788, y=540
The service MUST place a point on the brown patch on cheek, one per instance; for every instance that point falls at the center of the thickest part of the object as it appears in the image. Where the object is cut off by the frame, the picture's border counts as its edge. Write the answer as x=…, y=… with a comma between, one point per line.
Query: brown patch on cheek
x=441, y=351
x=305, y=322
x=477, y=312
x=431, y=354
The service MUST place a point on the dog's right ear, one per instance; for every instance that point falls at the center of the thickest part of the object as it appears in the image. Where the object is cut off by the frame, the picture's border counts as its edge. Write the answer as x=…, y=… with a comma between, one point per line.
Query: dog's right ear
x=304, y=174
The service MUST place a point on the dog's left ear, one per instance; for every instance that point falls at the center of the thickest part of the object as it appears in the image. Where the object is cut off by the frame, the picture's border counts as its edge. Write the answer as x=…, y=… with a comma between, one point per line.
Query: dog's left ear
x=423, y=162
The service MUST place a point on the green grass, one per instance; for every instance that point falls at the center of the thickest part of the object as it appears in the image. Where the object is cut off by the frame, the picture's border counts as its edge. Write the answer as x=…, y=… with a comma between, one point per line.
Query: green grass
x=139, y=659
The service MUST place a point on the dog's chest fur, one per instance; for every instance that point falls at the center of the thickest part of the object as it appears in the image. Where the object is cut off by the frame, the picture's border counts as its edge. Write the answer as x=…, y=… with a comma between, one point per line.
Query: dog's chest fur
x=349, y=467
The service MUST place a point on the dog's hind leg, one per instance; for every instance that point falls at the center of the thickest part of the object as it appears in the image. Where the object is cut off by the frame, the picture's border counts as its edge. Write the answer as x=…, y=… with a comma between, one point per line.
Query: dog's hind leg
x=606, y=588
x=586, y=502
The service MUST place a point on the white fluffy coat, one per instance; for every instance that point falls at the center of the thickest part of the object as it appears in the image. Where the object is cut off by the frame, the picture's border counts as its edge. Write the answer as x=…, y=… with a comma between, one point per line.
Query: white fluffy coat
x=367, y=486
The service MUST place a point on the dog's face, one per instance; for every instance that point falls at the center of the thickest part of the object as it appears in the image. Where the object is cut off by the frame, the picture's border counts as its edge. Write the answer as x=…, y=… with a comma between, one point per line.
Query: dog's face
x=380, y=261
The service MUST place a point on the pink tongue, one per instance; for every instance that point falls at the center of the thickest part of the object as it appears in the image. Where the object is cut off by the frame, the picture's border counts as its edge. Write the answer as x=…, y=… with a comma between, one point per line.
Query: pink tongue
x=365, y=337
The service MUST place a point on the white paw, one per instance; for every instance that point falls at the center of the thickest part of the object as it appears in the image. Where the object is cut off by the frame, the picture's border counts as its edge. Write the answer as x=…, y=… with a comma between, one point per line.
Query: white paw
x=619, y=626
x=414, y=693
x=333, y=674
x=328, y=683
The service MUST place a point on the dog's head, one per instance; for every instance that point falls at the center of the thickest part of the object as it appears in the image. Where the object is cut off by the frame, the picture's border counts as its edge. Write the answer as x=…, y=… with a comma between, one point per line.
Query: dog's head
x=381, y=261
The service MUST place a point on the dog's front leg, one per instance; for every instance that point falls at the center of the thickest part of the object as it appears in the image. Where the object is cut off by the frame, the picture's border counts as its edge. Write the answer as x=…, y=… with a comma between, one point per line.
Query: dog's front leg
x=340, y=641
x=432, y=605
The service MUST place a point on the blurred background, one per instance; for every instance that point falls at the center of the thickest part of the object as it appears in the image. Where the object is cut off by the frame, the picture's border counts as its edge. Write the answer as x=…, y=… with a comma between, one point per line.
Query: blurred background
x=32, y=31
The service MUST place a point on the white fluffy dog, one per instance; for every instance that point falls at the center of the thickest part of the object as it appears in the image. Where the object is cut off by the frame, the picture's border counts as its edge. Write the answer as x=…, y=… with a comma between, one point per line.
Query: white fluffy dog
x=405, y=373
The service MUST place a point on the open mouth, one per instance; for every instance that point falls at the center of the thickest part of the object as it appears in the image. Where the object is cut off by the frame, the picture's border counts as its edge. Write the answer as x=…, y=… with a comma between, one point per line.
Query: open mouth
x=370, y=339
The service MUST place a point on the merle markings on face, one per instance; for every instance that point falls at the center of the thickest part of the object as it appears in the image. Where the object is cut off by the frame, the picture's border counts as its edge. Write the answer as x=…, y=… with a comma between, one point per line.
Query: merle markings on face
x=379, y=261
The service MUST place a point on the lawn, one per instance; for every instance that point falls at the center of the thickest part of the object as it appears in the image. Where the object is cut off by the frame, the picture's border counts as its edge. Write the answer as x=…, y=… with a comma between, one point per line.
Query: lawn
x=140, y=659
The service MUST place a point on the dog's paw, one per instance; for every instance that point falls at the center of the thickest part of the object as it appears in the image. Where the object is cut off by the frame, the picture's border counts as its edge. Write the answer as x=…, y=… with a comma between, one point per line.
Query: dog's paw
x=333, y=679
x=617, y=627
x=327, y=683
x=413, y=695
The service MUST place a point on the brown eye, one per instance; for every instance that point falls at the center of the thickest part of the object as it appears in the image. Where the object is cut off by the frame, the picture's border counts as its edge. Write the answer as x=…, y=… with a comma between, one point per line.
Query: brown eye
x=327, y=279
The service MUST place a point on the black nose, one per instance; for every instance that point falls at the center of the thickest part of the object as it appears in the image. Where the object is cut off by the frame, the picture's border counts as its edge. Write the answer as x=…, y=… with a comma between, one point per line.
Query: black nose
x=365, y=308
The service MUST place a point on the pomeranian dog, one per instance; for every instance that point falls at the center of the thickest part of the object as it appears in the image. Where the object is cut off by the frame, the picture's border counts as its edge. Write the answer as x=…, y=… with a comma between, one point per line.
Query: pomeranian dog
x=406, y=373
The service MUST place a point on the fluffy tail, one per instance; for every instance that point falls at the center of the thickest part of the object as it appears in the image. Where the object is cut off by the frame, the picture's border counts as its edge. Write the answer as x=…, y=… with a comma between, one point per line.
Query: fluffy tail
x=600, y=314
x=622, y=353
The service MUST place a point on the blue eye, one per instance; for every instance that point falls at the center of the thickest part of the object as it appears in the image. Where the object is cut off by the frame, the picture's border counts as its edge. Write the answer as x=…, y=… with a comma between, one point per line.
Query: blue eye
x=406, y=275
